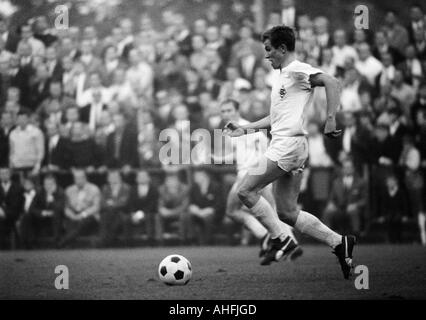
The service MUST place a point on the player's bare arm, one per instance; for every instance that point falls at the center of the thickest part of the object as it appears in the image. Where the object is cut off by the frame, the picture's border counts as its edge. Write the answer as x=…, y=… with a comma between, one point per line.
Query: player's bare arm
x=332, y=91
x=233, y=129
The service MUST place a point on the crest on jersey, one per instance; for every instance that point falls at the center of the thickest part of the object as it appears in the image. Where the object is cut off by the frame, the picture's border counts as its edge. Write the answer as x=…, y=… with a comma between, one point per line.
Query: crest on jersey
x=283, y=91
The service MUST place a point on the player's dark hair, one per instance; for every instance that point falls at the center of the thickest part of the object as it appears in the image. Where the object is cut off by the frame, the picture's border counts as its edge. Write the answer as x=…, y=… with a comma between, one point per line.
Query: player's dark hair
x=234, y=102
x=281, y=35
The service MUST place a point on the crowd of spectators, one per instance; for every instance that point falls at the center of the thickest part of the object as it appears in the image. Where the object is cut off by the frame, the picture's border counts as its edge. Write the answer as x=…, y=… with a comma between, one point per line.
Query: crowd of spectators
x=72, y=100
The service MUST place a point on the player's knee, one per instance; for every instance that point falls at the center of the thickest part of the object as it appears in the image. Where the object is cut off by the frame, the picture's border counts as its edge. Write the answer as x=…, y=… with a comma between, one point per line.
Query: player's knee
x=244, y=193
x=288, y=214
x=230, y=213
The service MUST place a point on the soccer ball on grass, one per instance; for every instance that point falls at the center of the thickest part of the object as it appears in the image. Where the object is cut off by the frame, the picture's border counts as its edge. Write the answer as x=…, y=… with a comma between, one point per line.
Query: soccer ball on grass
x=175, y=270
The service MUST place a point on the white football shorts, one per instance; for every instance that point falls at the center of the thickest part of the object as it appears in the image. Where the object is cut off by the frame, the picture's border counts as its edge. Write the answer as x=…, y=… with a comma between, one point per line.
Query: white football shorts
x=290, y=153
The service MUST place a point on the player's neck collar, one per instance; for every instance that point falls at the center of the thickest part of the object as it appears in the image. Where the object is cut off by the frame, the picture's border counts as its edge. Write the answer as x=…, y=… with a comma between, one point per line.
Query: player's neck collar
x=287, y=62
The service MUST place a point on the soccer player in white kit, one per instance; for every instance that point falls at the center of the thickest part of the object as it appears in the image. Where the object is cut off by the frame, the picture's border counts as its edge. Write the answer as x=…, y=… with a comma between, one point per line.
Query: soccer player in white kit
x=291, y=96
x=247, y=150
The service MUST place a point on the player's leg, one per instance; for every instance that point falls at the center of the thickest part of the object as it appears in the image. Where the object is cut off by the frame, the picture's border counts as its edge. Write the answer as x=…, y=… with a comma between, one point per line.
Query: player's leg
x=421, y=219
x=287, y=193
x=294, y=251
x=236, y=213
x=268, y=194
x=249, y=194
x=288, y=189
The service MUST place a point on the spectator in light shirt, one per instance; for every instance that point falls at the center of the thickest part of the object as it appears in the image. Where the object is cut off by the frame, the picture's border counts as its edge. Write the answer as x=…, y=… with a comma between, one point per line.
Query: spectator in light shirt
x=26, y=144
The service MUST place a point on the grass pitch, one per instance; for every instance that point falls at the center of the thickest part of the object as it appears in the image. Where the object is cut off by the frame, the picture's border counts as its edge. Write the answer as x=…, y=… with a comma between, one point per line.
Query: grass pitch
x=395, y=272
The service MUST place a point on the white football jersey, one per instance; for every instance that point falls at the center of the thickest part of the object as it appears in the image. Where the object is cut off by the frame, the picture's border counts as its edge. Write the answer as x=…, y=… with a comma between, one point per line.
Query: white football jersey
x=291, y=97
x=248, y=148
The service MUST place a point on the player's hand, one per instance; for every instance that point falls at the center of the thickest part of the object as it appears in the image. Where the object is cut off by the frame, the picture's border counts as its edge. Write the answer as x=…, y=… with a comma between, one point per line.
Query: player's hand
x=233, y=129
x=330, y=128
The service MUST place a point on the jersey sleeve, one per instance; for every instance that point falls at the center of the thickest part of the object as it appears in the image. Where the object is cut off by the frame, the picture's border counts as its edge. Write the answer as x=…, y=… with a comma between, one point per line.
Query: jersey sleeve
x=302, y=73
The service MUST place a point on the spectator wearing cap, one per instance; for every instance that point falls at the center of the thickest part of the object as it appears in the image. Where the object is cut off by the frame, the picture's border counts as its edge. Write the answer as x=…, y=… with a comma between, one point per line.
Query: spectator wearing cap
x=26, y=145
x=82, y=208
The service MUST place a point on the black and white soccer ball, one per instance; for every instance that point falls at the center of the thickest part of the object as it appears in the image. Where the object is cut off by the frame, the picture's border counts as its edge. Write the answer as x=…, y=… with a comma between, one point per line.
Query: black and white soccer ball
x=175, y=270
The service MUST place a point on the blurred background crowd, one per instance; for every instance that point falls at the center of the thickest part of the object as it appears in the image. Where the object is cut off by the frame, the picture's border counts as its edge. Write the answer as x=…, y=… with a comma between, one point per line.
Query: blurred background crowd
x=81, y=110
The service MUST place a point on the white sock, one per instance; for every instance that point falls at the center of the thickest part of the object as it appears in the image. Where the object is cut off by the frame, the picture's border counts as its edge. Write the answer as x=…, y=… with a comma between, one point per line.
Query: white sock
x=254, y=226
x=312, y=226
x=287, y=232
x=422, y=222
x=268, y=217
